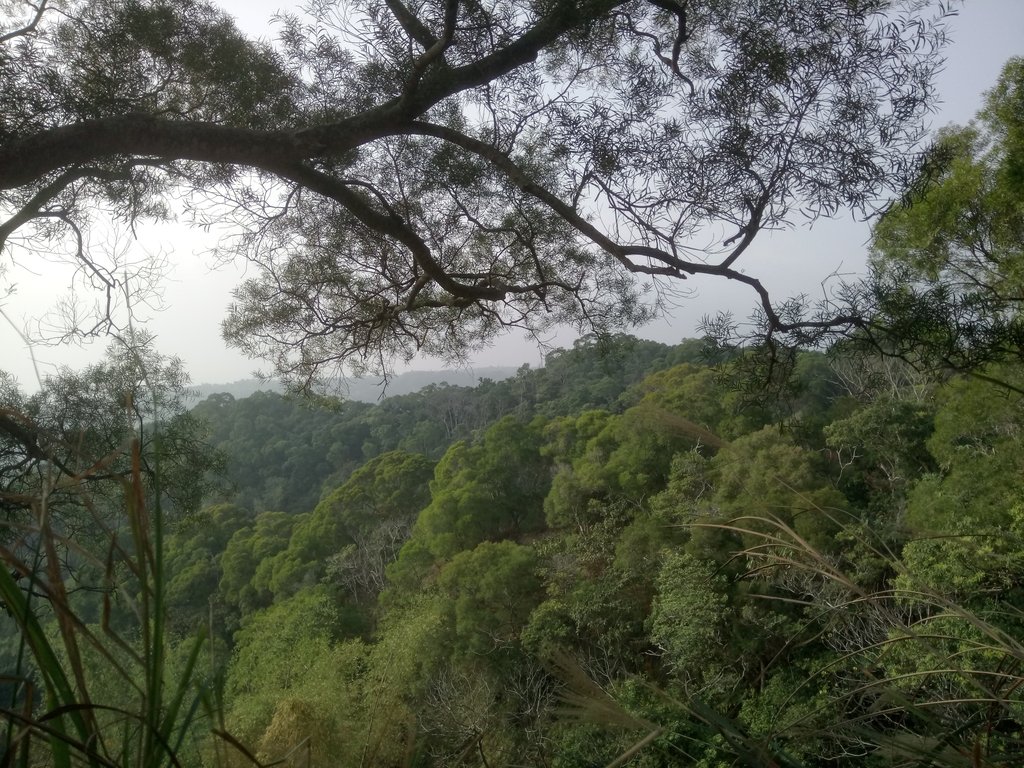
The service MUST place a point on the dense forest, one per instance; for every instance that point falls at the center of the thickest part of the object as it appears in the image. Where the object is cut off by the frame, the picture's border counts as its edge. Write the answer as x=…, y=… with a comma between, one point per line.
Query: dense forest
x=620, y=555
x=793, y=543
x=619, y=551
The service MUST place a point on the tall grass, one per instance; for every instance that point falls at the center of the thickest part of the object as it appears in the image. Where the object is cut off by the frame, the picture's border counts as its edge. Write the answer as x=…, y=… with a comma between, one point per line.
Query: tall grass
x=935, y=681
x=101, y=692
x=61, y=711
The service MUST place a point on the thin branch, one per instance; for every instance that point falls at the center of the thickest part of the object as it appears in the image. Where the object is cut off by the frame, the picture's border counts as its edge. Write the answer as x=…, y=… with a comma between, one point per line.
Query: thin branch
x=390, y=225
x=28, y=28
x=413, y=27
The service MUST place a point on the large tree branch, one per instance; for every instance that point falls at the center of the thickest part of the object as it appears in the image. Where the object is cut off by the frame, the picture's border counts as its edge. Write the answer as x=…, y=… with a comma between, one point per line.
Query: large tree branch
x=27, y=159
x=525, y=182
x=670, y=264
x=673, y=266
x=22, y=161
x=664, y=166
x=443, y=81
x=391, y=225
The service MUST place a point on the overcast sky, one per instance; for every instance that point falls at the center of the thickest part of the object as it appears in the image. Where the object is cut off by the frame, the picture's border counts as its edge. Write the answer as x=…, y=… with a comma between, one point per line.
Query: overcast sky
x=195, y=294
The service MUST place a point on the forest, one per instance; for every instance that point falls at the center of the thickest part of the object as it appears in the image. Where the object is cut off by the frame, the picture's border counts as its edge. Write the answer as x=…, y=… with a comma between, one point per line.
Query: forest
x=622, y=556
x=794, y=543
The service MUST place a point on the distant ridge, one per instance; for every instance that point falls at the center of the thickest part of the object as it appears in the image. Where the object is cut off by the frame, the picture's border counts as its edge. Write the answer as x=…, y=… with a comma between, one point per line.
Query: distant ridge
x=370, y=389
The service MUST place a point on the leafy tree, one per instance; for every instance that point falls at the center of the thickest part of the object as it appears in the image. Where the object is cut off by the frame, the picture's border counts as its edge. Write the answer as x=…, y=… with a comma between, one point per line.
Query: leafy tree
x=599, y=369
x=192, y=557
x=413, y=643
x=947, y=284
x=599, y=582
x=488, y=491
x=493, y=589
x=357, y=530
x=83, y=455
x=248, y=558
x=687, y=616
x=882, y=446
x=689, y=483
x=629, y=456
x=764, y=477
x=74, y=436
x=286, y=662
x=419, y=177
x=976, y=445
x=574, y=448
x=283, y=451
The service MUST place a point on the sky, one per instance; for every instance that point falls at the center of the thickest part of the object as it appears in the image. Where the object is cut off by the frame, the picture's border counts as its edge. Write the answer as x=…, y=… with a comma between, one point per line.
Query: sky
x=195, y=292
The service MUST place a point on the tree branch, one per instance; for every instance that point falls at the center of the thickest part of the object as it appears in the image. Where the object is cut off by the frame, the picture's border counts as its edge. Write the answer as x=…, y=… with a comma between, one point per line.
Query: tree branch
x=413, y=27
x=28, y=28
x=32, y=208
x=390, y=225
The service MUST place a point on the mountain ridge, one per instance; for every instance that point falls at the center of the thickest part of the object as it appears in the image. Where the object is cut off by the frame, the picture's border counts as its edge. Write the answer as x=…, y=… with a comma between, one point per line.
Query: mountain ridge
x=369, y=389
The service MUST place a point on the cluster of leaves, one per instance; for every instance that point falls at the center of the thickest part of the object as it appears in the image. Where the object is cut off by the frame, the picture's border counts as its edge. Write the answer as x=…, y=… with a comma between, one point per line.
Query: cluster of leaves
x=944, y=293
x=74, y=434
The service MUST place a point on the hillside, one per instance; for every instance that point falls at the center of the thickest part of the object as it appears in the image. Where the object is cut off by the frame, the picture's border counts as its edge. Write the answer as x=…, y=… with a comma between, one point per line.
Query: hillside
x=368, y=390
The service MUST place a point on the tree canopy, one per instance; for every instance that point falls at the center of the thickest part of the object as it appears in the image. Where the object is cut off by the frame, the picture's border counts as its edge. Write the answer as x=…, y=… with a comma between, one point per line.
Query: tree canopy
x=680, y=577
x=419, y=176
x=945, y=289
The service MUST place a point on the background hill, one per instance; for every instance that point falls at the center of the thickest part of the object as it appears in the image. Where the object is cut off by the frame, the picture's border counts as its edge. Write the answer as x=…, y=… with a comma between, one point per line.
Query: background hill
x=370, y=389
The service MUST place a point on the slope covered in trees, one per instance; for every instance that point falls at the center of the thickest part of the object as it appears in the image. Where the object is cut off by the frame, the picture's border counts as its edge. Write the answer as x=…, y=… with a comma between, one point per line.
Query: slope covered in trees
x=648, y=564
x=283, y=450
x=833, y=580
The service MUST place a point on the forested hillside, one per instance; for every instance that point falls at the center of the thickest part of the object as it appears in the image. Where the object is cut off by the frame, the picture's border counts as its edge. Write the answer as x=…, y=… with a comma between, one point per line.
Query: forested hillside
x=283, y=450
x=627, y=555
x=370, y=389
x=621, y=550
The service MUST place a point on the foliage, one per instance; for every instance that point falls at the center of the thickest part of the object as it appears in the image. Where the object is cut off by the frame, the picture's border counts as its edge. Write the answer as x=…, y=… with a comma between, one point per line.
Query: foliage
x=687, y=613
x=282, y=450
x=247, y=560
x=193, y=552
x=493, y=588
x=286, y=453
x=271, y=659
x=946, y=291
x=883, y=445
x=765, y=475
x=839, y=587
x=488, y=491
x=94, y=694
x=411, y=178
x=74, y=435
x=357, y=530
x=973, y=444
